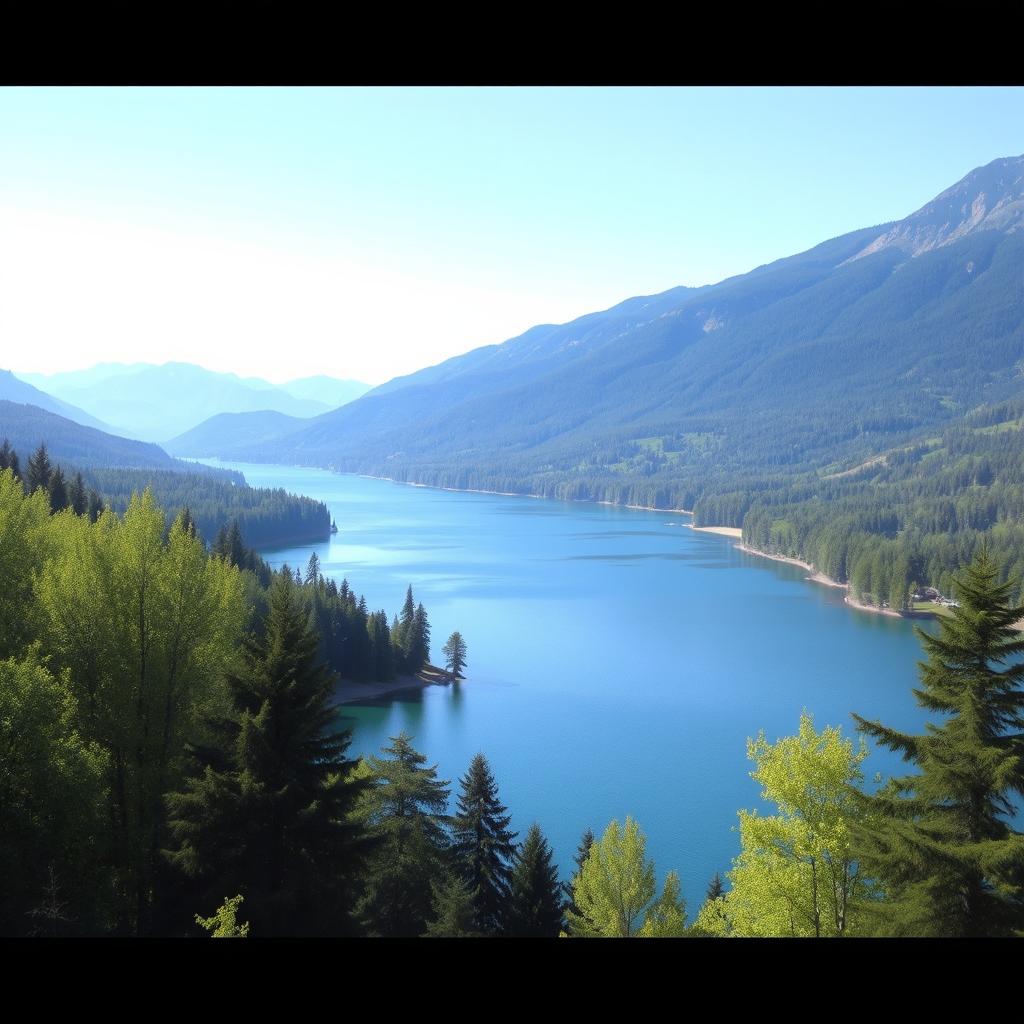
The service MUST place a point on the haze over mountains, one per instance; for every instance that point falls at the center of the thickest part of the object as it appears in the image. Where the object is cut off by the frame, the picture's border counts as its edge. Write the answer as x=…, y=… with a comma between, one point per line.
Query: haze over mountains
x=155, y=403
x=817, y=360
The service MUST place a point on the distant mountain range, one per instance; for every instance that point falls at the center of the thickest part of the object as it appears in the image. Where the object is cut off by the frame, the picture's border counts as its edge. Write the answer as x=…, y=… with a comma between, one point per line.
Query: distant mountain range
x=27, y=426
x=818, y=360
x=155, y=403
x=12, y=389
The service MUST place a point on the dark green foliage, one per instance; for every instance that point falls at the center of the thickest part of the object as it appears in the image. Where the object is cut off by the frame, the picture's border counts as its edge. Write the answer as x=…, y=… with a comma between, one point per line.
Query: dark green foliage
x=419, y=644
x=455, y=655
x=452, y=910
x=39, y=470
x=483, y=846
x=77, y=497
x=267, y=812
x=9, y=459
x=582, y=853
x=51, y=802
x=940, y=842
x=405, y=812
x=536, y=905
x=96, y=506
x=58, y=491
x=715, y=889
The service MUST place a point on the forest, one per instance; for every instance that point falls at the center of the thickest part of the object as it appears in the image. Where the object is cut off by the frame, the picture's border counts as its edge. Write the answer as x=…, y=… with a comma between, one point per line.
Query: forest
x=173, y=767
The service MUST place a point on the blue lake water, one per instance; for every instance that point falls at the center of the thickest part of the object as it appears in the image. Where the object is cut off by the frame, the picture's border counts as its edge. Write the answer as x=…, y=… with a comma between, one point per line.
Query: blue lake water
x=617, y=660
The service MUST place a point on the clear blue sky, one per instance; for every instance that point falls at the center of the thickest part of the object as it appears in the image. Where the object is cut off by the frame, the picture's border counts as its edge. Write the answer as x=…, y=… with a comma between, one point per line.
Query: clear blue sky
x=369, y=232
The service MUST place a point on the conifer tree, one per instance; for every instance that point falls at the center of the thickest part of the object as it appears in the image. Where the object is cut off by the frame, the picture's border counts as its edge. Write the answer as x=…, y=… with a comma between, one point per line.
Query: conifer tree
x=940, y=841
x=402, y=634
x=39, y=470
x=582, y=852
x=405, y=812
x=188, y=524
x=58, y=491
x=453, y=916
x=77, y=496
x=313, y=570
x=483, y=846
x=95, y=506
x=454, y=652
x=9, y=458
x=536, y=905
x=267, y=812
x=715, y=889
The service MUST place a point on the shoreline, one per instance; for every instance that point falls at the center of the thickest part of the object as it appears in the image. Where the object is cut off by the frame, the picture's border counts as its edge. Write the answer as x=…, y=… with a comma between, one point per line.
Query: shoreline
x=347, y=691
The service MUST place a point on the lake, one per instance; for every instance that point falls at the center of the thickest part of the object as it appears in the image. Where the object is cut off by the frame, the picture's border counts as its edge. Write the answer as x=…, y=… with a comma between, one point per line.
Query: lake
x=617, y=660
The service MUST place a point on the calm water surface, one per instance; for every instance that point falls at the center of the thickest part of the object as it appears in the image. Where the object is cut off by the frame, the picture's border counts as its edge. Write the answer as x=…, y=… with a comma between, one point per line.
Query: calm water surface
x=618, y=661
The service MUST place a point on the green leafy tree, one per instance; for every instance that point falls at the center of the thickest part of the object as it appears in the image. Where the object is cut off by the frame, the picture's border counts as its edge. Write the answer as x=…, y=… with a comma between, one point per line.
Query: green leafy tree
x=535, y=906
x=582, y=852
x=483, y=846
x=25, y=540
x=270, y=812
x=144, y=624
x=796, y=874
x=405, y=812
x=224, y=924
x=940, y=841
x=51, y=803
x=454, y=652
x=616, y=884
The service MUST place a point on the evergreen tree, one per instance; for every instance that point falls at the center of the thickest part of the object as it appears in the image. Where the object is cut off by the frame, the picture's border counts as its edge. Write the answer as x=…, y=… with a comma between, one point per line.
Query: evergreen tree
x=58, y=491
x=77, y=496
x=95, y=509
x=417, y=641
x=484, y=847
x=454, y=652
x=404, y=812
x=267, y=813
x=188, y=524
x=39, y=470
x=536, y=904
x=453, y=910
x=939, y=841
x=582, y=852
x=9, y=459
x=313, y=576
x=716, y=889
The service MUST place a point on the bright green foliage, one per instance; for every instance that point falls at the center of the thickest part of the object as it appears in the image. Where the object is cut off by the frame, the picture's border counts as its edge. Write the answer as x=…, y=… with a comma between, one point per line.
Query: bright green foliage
x=582, y=852
x=144, y=626
x=483, y=845
x=405, y=812
x=535, y=906
x=23, y=546
x=453, y=913
x=941, y=845
x=454, y=652
x=269, y=813
x=796, y=874
x=224, y=924
x=51, y=801
x=614, y=886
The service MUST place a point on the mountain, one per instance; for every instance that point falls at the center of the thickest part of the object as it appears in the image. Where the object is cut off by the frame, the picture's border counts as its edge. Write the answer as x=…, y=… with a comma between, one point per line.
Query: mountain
x=331, y=391
x=13, y=389
x=229, y=429
x=26, y=426
x=824, y=358
x=158, y=402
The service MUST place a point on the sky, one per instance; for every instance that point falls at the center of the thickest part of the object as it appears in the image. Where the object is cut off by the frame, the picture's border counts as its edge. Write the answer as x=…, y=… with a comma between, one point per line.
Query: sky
x=368, y=232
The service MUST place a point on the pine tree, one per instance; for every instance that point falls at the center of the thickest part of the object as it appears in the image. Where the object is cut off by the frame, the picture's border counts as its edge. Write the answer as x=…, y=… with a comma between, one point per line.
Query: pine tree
x=536, y=905
x=95, y=506
x=268, y=811
x=454, y=652
x=77, y=496
x=9, y=458
x=452, y=911
x=940, y=842
x=484, y=847
x=417, y=641
x=404, y=812
x=582, y=852
x=402, y=635
x=313, y=575
x=715, y=889
x=188, y=524
x=58, y=491
x=39, y=470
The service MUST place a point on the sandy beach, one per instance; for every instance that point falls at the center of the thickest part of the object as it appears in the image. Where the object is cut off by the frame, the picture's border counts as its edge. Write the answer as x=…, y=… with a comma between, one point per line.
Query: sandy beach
x=725, y=531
